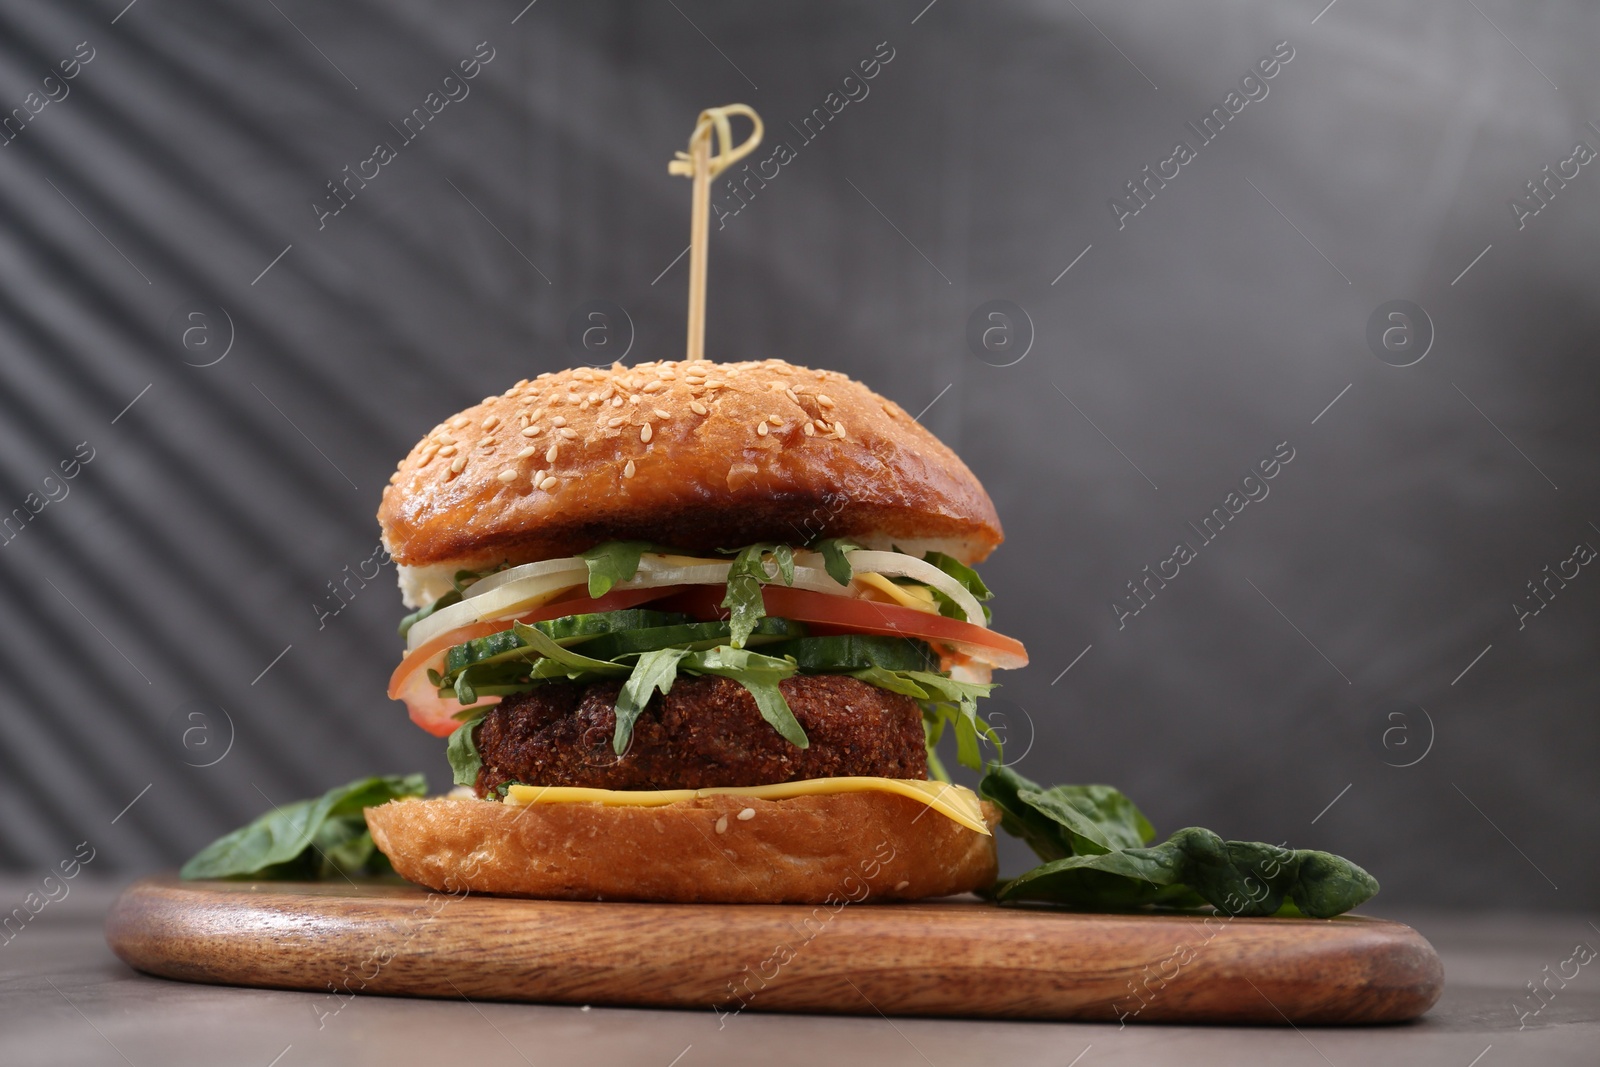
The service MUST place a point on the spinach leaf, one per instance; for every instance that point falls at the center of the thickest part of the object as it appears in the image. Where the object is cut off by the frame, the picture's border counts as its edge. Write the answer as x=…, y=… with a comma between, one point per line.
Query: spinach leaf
x=746, y=575
x=283, y=842
x=760, y=675
x=1092, y=839
x=969, y=580
x=462, y=749
x=836, y=558
x=653, y=671
x=1095, y=818
x=613, y=562
x=1236, y=877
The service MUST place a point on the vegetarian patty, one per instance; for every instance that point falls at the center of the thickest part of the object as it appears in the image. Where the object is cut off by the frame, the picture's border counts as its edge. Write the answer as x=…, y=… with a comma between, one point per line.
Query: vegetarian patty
x=706, y=732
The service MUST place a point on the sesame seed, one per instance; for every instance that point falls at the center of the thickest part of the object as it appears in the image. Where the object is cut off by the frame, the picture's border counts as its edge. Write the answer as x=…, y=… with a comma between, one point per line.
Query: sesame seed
x=901, y=886
x=447, y=450
x=538, y=414
x=526, y=453
x=715, y=383
x=559, y=420
x=761, y=429
x=774, y=420
x=627, y=472
x=457, y=464
x=634, y=399
x=487, y=444
x=459, y=421
x=538, y=476
x=825, y=400
x=697, y=407
x=569, y=433
x=616, y=401
x=722, y=824
x=548, y=484
x=655, y=385
x=645, y=433
x=554, y=450
x=508, y=475
x=491, y=422
x=838, y=429
x=790, y=394
x=615, y=422
x=811, y=429
x=445, y=439
x=663, y=414
x=746, y=815
x=532, y=431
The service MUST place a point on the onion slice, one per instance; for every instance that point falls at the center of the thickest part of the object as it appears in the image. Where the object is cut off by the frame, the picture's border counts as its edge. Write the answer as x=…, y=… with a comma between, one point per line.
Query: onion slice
x=504, y=600
x=512, y=592
x=900, y=565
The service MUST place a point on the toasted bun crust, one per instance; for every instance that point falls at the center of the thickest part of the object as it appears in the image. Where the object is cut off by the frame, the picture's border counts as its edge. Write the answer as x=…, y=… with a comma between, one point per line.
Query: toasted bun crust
x=805, y=850
x=697, y=455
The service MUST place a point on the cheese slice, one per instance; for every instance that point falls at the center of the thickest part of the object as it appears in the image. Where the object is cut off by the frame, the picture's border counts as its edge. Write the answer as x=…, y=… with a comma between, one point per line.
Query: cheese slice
x=954, y=802
x=916, y=597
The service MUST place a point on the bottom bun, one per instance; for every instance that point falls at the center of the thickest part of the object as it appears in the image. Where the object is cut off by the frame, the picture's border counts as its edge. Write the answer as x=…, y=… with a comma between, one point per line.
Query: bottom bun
x=802, y=850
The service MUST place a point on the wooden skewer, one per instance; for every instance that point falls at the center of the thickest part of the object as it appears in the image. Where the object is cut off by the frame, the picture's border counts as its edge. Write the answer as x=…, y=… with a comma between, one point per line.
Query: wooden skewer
x=701, y=165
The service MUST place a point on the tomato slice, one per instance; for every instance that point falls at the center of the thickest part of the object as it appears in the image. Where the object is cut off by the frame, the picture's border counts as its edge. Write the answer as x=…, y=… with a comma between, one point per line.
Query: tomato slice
x=433, y=712
x=846, y=614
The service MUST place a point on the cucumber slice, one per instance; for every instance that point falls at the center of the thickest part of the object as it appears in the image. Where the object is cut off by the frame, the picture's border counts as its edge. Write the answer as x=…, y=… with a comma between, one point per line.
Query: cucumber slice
x=856, y=652
x=694, y=635
x=567, y=630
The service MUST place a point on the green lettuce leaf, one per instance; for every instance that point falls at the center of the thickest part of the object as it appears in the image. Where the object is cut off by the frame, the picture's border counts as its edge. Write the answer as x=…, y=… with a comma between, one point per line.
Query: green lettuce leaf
x=307, y=838
x=654, y=671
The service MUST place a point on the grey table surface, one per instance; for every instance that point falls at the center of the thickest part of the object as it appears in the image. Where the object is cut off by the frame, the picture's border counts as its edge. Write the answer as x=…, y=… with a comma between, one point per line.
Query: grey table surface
x=65, y=999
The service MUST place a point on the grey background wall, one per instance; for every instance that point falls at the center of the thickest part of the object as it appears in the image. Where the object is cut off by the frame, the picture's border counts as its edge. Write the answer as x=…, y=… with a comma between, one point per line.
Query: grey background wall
x=169, y=633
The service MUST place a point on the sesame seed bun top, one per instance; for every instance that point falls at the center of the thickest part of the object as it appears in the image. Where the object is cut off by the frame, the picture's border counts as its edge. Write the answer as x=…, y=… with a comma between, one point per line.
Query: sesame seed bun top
x=697, y=455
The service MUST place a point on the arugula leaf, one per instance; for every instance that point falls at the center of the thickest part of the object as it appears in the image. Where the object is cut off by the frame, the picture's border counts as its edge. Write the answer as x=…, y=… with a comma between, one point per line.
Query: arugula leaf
x=463, y=689
x=969, y=580
x=836, y=558
x=280, y=843
x=893, y=681
x=653, y=671
x=760, y=675
x=569, y=662
x=746, y=575
x=462, y=749
x=613, y=562
x=1091, y=838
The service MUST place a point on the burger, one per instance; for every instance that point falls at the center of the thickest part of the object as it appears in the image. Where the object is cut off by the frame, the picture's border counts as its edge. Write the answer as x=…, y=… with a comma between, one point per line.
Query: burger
x=692, y=632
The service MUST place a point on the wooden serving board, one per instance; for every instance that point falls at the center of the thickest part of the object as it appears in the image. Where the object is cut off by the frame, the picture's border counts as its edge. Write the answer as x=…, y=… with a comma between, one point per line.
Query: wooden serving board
x=950, y=958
